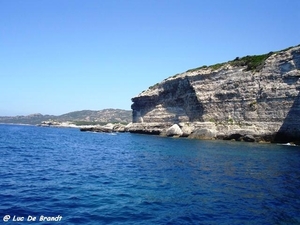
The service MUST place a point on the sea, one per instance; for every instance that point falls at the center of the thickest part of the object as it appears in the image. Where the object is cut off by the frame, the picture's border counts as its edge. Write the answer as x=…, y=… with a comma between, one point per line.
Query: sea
x=64, y=176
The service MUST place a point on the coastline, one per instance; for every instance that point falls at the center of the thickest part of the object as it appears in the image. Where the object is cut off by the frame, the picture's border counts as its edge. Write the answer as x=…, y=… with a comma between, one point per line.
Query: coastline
x=132, y=128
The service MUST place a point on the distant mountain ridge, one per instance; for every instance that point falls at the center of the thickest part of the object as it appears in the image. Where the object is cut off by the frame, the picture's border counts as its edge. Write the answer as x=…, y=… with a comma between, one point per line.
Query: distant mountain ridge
x=83, y=116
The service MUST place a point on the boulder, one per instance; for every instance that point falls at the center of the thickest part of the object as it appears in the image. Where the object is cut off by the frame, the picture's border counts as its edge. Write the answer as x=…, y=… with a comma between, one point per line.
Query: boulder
x=119, y=128
x=249, y=138
x=204, y=134
x=187, y=129
x=174, y=131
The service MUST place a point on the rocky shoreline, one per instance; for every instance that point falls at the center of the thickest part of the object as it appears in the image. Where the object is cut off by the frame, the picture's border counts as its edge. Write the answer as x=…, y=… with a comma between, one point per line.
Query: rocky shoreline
x=51, y=123
x=206, y=131
x=196, y=130
x=108, y=128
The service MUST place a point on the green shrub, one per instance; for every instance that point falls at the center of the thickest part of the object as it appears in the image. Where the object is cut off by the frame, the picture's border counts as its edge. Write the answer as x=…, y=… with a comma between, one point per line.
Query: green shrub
x=213, y=67
x=154, y=86
x=212, y=120
x=198, y=68
x=252, y=63
x=216, y=66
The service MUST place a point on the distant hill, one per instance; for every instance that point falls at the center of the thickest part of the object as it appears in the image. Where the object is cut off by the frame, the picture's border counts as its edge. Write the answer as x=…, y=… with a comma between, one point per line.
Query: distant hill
x=78, y=117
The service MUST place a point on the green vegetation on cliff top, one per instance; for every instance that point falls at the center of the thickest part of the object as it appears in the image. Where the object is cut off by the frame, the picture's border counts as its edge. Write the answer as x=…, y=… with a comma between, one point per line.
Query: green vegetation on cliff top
x=252, y=63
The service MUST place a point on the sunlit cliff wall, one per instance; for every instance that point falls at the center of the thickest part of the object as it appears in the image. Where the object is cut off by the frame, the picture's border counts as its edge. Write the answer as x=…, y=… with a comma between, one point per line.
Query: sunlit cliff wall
x=228, y=101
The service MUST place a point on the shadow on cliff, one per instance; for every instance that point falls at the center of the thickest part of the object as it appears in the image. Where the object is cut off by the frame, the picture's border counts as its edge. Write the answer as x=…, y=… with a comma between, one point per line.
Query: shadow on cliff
x=178, y=98
x=290, y=129
x=182, y=95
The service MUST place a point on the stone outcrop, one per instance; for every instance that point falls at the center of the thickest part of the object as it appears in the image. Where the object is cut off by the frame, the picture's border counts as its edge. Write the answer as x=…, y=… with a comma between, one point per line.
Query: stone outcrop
x=174, y=131
x=53, y=123
x=234, y=100
x=108, y=128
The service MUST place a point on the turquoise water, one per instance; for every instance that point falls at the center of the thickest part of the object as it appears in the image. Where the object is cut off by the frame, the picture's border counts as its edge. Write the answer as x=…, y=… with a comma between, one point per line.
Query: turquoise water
x=93, y=178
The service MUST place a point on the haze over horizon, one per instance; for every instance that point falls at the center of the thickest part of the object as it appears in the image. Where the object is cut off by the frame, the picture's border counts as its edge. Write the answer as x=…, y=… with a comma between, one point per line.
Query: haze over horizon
x=62, y=56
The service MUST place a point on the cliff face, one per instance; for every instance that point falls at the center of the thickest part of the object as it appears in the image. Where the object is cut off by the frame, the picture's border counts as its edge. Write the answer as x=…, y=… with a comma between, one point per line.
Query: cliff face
x=234, y=101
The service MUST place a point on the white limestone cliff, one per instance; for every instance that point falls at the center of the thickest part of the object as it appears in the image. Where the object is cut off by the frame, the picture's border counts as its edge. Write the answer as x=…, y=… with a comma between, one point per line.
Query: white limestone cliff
x=229, y=102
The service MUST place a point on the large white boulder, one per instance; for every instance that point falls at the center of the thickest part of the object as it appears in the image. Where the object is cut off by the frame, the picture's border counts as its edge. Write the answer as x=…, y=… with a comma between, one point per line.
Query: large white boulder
x=174, y=131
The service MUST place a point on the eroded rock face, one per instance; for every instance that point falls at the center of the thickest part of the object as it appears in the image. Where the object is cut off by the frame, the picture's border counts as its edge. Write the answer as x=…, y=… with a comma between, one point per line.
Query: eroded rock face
x=264, y=104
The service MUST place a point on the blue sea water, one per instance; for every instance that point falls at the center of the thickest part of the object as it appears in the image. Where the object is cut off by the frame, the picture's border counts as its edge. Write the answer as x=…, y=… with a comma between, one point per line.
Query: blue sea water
x=73, y=177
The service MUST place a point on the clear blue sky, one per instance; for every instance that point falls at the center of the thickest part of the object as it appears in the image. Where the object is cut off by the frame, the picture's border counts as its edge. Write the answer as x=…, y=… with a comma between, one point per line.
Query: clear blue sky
x=58, y=56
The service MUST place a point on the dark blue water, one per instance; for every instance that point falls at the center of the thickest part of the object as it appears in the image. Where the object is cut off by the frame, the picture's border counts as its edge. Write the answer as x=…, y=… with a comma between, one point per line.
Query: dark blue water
x=92, y=178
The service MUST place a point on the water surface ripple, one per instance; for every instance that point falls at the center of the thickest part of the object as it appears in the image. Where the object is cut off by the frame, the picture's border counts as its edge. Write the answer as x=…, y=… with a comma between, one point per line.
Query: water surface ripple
x=93, y=178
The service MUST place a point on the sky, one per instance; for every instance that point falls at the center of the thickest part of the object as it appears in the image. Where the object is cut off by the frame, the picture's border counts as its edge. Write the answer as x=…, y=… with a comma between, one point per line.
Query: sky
x=59, y=56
